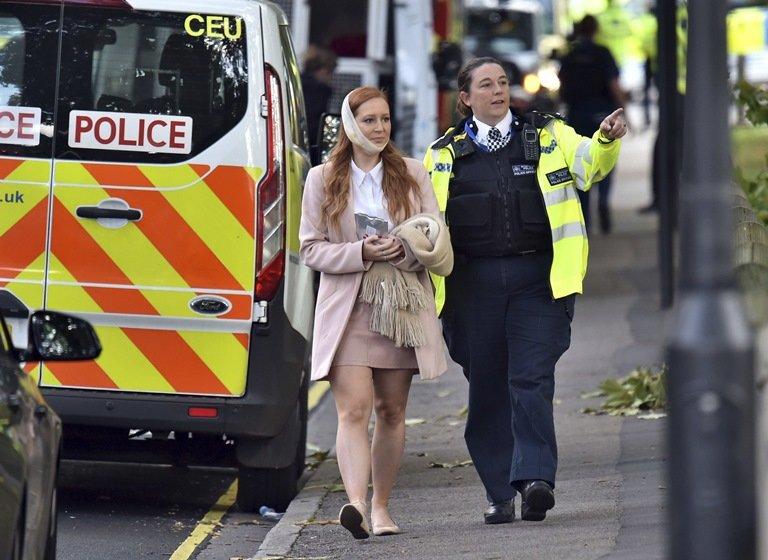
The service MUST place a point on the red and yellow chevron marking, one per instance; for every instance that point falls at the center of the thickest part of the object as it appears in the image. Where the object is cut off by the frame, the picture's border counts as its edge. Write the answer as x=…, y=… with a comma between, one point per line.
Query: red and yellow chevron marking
x=156, y=361
x=23, y=218
x=23, y=224
x=196, y=237
x=194, y=233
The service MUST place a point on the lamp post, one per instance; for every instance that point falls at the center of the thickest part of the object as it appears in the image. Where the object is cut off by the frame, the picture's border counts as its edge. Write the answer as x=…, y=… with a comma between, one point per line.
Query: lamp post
x=710, y=352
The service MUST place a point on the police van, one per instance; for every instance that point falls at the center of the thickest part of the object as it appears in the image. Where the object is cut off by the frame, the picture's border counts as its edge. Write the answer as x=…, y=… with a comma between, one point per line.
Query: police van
x=152, y=158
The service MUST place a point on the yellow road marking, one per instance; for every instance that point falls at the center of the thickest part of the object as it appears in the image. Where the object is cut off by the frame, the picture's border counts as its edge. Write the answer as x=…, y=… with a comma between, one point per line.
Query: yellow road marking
x=211, y=520
x=206, y=526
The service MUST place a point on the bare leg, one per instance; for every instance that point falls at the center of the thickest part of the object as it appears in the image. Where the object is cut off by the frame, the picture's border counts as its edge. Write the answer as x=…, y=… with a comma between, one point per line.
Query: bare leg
x=352, y=388
x=390, y=399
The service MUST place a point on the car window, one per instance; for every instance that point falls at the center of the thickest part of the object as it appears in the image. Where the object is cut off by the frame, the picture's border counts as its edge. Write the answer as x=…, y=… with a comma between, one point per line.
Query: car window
x=151, y=87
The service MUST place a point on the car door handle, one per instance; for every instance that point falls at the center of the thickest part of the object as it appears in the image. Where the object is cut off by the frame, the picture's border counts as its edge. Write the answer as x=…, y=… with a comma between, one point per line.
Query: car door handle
x=96, y=212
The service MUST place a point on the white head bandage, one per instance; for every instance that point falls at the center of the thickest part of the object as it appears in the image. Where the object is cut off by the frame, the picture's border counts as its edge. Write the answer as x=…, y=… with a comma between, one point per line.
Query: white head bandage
x=353, y=131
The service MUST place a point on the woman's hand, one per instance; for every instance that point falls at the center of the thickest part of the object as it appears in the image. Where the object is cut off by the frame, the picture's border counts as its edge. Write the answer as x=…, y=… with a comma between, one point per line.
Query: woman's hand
x=614, y=125
x=382, y=248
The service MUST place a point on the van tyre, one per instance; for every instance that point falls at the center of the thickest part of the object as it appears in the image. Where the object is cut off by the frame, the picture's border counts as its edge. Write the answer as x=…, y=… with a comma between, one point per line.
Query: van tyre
x=276, y=487
x=257, y=487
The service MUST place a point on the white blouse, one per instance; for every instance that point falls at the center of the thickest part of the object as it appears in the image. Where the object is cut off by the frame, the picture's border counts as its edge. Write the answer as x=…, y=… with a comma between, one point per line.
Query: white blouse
x=369, y=199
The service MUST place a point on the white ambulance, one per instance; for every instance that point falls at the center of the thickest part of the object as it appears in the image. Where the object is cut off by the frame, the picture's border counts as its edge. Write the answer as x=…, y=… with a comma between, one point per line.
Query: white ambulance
x=152, y=158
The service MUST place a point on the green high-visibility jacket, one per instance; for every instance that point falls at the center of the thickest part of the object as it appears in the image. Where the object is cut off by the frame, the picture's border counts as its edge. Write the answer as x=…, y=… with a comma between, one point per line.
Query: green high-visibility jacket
x=564, y=153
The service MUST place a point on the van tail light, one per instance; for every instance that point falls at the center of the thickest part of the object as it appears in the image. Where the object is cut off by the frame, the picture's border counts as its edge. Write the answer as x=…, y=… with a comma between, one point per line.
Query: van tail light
x=270, y=198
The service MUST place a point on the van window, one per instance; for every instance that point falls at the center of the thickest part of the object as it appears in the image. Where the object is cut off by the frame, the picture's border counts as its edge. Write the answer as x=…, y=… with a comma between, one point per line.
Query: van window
x=151, y=87
x=28, y=49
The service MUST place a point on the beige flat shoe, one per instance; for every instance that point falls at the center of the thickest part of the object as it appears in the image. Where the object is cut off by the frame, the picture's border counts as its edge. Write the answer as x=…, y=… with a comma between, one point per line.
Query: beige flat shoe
x=352, y=518
x=384, y=530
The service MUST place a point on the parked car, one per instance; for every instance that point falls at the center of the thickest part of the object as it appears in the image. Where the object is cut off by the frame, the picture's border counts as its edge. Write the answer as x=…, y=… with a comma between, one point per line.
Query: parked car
x=30, y=431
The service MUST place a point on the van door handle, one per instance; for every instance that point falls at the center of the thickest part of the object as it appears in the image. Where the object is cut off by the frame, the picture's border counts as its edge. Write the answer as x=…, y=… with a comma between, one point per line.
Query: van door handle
x=96, y=212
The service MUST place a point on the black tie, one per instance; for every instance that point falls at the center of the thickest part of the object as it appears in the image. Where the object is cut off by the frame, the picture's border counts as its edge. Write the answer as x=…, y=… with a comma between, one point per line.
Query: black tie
x=495, y=141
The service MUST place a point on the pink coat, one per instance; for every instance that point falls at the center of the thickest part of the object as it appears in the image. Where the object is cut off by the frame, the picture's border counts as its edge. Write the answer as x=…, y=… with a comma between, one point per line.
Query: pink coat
x=338, y=255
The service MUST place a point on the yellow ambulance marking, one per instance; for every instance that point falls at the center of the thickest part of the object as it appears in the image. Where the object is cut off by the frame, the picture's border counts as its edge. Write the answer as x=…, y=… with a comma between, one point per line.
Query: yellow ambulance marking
x=33, y=171
x=230, y=253
x=124, y=363
x=211, y=348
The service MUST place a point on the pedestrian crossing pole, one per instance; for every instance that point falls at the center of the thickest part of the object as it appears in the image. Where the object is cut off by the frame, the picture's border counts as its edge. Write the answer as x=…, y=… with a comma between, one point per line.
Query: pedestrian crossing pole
x=710, y=351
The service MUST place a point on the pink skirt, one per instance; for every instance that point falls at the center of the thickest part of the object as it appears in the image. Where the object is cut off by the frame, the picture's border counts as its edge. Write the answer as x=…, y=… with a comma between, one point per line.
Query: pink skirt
x=360, y=346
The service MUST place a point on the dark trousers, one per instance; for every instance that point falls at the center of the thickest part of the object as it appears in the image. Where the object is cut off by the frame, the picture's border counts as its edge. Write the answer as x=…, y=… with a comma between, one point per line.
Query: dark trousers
x=603, y=189
x=503, y=327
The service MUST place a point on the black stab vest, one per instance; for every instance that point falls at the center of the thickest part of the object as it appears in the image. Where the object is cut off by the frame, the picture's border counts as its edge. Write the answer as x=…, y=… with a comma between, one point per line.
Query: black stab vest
x=495, y=207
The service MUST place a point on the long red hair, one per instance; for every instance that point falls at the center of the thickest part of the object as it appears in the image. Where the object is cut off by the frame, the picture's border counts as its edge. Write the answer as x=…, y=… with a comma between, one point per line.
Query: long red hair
x=397, y=183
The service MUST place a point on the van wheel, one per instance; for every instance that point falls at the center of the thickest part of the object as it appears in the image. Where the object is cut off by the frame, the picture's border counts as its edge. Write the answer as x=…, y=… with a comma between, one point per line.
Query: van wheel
x=258, y=487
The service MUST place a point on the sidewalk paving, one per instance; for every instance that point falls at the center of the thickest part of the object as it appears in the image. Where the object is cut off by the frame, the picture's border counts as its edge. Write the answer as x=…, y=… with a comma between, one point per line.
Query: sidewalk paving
x=610, y=488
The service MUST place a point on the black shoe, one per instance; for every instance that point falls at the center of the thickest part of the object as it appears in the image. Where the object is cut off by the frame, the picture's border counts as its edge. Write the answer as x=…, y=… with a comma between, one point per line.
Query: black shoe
x=538, y=497
x=500, y=512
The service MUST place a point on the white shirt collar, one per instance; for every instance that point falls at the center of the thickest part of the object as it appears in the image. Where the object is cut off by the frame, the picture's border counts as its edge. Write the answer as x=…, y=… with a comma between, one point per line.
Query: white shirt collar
x=483, y=128
x=375, y=174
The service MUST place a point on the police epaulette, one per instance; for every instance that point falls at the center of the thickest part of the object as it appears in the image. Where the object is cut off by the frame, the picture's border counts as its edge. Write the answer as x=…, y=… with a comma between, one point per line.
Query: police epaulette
x=460, y=143
x=539, y=119
x=444, y=141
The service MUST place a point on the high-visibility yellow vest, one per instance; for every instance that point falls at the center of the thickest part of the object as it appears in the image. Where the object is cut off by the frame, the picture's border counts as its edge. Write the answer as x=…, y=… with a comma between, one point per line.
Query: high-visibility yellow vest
x=588, y=162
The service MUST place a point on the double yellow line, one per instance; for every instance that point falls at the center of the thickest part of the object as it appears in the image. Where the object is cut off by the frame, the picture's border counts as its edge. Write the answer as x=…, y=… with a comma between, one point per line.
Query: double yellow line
x=210, y=520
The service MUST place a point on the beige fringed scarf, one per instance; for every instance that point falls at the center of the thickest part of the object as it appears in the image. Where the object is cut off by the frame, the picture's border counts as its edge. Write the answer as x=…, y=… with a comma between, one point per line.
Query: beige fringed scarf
x=398, y=296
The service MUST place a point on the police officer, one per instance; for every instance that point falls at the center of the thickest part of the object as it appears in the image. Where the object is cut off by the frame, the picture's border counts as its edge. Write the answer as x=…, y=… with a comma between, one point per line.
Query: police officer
x=507, y=184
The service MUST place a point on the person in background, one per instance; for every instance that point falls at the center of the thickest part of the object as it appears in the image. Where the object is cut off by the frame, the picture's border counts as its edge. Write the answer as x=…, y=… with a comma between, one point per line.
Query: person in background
x=319, y=66
x=355, y=212
x=615, y=31
x=589, y=86
x=646, y=28
x=507, y=183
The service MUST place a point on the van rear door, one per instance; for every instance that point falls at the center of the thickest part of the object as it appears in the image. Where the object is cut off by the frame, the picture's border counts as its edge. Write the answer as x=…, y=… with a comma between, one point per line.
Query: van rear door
x=29, y=37
x=153, y=214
